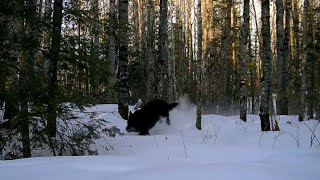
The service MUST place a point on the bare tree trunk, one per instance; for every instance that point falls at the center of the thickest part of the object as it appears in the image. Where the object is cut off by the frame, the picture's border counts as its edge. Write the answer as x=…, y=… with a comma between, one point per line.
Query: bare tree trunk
x=23, y=117
x=283, y=104
x=243, y=67
x=152, y=83
x=112, y=49
x=256, y=68
x=304, y=61
x=112, y=23
x=26, y=64
x=53, y=68
x=227, y=57
x=266, y=65
x=199, y=66
x=311, y=62
x=296, y=61
x=280, y=53
x=163, y=54
x=96, y=45
x=123, y=88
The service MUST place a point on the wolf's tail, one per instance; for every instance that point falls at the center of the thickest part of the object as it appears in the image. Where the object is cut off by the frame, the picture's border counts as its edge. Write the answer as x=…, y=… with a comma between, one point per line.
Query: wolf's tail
x=172, y=105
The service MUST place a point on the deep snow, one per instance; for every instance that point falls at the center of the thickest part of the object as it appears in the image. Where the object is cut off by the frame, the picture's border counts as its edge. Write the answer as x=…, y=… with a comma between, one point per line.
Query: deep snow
x=226, y=148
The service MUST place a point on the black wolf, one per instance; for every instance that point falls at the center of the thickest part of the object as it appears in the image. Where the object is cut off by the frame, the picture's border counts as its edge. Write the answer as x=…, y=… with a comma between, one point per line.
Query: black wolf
x=145, y=118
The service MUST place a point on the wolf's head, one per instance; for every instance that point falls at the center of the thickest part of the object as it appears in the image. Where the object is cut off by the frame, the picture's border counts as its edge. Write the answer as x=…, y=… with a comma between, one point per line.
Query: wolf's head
x=132, y=123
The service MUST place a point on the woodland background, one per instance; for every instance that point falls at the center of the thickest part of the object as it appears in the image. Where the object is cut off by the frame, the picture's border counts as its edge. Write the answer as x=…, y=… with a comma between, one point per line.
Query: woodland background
x=228, y=56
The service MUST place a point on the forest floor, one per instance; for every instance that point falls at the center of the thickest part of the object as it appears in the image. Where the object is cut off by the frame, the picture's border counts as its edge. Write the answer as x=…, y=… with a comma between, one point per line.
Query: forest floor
x=226, y=148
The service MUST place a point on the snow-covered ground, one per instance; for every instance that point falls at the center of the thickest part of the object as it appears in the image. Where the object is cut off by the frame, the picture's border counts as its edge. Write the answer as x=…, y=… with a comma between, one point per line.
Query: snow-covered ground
x=225, y=148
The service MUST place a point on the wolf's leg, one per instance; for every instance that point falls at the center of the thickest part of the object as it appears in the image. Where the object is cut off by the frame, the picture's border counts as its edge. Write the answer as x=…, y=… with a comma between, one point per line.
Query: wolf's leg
x=144, y=132
x=167, y=120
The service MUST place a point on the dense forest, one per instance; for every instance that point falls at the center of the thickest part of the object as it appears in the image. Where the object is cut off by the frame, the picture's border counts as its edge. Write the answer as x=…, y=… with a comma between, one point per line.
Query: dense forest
x=229, y=56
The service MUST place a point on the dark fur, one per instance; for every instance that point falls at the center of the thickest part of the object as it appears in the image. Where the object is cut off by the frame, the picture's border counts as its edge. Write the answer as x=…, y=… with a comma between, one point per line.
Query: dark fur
x=145, y=118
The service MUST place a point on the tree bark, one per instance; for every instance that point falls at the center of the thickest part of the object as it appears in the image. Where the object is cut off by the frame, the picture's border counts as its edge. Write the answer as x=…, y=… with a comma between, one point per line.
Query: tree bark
x=302, y=112
x=112, y=43
x=123, y=88
x=311, y=62
x=152, y=83
x=53, y=68
x=227, y=57
x=26, y=59
x=96, y=46
x=283, y=103
x=163, y=51
x=266, y=64
x=199, y=66
x=244, y=60
x=280, y=54
x=296, y=60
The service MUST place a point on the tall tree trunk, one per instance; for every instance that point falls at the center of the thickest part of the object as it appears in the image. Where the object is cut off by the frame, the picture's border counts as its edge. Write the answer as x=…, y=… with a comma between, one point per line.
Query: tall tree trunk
x=280, y=52
x=96, y=46
x=26, y=64
x=296, y=60
x=302, y=112
x=266, y=66
x=244, y=60
x=227, y=57
x=112, y=50
x=112, y=43
x=123, y=88
x=171, y=59
x=199, y=66
x=317, y=69
x=256, y=68
x=23, y=117
x=163, y=51
x=283, y=101
x=152, y=83
x=311, y=62
x=53, y=69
